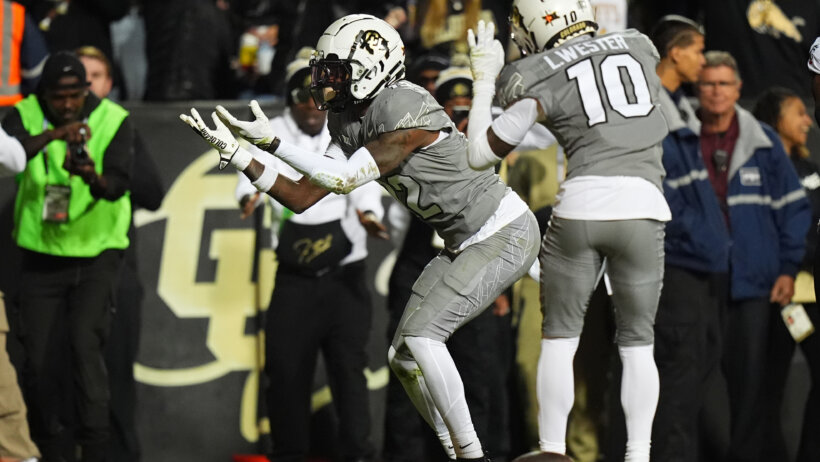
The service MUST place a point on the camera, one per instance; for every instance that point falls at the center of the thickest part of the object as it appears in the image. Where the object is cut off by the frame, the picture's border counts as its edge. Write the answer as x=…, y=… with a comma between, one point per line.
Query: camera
x=78, y=151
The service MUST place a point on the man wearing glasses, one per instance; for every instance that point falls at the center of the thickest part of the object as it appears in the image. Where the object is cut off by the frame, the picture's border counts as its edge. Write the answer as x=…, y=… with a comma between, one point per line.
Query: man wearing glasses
x=766, y=214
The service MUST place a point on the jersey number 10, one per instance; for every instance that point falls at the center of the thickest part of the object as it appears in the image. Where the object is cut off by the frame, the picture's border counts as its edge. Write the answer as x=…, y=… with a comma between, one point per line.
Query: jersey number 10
x=609, y=71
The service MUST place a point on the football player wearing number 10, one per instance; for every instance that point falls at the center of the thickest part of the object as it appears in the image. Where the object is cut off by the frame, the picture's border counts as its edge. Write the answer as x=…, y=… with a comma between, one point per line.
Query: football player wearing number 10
x=599, y=97
x=386, y=129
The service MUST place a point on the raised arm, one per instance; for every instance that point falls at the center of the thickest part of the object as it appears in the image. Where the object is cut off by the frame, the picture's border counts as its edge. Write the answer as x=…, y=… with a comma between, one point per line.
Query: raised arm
x=490, y=141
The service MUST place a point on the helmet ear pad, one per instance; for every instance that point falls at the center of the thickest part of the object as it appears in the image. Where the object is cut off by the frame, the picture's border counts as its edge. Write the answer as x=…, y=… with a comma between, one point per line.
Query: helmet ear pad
x=538, y=25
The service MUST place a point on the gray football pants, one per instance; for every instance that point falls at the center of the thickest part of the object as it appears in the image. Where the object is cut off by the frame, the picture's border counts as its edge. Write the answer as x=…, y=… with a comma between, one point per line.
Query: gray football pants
x=571, y=257
x=450, y=292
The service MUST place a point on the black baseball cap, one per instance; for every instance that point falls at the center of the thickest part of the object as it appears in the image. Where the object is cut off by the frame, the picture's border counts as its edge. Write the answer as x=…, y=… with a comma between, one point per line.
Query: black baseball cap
x=59, y=65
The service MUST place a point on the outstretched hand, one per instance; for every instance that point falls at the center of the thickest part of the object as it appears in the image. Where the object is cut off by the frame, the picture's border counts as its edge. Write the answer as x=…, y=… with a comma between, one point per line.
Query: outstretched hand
x=257, y=131
x=219, y=138
x=486, y=53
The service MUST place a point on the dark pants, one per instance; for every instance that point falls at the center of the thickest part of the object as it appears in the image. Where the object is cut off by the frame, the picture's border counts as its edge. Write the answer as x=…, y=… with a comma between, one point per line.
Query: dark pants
x=120, y=356
x=781, y=351
x=686, y=353
x=65, y=305
x=745, y=365
x=481, y=350
x=331, y=314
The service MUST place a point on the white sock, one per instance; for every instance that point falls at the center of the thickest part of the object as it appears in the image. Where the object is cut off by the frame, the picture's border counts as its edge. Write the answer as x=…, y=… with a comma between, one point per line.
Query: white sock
x=447, y=391
x=414, y=384
x=639, y=398
x=555, y=384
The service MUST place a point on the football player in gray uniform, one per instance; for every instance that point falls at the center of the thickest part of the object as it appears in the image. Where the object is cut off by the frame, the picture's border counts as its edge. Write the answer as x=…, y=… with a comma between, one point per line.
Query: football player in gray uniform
x=386, y=129
x=599, y=97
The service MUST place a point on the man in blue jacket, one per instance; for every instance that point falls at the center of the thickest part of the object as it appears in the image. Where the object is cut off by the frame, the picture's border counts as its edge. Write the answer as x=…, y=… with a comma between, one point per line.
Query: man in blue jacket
x=696, y=248
x=765, y=215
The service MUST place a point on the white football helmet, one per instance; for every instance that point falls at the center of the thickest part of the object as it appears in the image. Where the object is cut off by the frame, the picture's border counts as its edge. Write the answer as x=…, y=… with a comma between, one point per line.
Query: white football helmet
x=538, y=25
x=357, y=57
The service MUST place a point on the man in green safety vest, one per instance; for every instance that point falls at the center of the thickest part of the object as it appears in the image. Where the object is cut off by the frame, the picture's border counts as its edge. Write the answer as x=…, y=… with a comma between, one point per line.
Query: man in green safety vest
x=71, y=218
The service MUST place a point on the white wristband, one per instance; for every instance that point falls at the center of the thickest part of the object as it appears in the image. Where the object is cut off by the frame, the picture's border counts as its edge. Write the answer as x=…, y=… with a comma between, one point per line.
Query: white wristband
x=241, y=159
x=266, y=179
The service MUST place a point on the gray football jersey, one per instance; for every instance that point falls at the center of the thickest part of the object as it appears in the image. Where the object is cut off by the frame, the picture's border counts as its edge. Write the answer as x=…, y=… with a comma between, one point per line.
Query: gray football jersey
x=600, y=96
x=435, y=183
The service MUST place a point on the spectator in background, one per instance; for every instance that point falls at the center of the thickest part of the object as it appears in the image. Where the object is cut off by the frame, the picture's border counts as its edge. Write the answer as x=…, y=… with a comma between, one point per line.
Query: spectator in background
x=424, y=70
x=146, y=192
x=189, y=45
x=24, y=53
x=97, y=70
x=766, y=213
x=764, y=34
x=696, y=248
x=70, y=24
x=71, y=221
x=783, y=110
x=257, y=49
x=320, y=301
x=15, y=441
x=441, y=25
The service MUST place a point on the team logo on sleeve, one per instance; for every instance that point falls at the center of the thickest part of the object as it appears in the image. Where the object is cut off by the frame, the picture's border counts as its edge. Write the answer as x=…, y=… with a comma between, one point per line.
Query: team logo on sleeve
x=375, y=44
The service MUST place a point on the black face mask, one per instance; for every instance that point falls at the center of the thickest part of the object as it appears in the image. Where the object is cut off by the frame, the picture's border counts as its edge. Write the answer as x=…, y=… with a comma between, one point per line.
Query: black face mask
x=334, y=74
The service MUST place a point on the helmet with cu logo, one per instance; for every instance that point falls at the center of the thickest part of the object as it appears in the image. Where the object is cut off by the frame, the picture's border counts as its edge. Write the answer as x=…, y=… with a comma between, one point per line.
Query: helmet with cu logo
x=356, y=57
x=538, y=25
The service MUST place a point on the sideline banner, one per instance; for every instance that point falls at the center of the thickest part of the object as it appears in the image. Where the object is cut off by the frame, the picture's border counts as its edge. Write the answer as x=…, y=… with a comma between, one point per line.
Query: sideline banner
x=199, y=363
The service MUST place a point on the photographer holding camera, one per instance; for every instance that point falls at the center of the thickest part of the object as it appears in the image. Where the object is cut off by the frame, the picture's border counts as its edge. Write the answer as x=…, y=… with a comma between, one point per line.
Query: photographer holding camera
x=71, y=221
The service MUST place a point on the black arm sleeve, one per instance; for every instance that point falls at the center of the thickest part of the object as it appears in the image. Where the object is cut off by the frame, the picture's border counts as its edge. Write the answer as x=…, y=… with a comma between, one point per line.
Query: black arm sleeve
x=147, y=189
x=116, y=164
x=13, y=125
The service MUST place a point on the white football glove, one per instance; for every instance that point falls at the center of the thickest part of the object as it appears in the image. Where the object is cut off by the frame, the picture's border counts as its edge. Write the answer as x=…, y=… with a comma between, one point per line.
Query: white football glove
x=257, y=131
x=486, y=53
x=220, y=139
